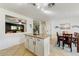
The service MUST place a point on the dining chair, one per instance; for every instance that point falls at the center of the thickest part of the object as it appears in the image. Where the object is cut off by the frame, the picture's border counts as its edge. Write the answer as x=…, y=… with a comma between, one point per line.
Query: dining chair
x=75, y=38
x=68, y=41
x=59, y=38
x=78, y=43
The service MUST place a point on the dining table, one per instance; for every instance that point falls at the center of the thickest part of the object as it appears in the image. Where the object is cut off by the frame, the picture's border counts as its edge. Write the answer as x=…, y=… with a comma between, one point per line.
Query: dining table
x=73, y=40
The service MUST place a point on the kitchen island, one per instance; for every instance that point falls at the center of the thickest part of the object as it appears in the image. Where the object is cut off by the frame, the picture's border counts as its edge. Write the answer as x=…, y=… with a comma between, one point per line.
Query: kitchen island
x=38, y=44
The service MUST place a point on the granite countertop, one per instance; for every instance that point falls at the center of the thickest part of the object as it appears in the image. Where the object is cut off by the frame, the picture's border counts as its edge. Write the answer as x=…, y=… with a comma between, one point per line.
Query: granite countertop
x=41, y=36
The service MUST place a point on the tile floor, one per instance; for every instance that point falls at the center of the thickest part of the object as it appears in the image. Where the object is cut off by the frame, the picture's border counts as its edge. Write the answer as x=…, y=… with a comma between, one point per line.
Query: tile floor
x=19, y=50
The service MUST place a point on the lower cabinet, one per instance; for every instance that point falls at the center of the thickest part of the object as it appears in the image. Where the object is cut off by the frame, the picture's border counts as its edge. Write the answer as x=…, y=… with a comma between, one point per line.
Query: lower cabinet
x=31, y=44
x=27, y=42
x=36, y=45
x=39, y=50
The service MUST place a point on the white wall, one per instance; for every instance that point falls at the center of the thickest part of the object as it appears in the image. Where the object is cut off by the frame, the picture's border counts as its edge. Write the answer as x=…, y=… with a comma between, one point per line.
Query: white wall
x=54, y=22
x=72, y=21
x=6, y=40
x=45, y=27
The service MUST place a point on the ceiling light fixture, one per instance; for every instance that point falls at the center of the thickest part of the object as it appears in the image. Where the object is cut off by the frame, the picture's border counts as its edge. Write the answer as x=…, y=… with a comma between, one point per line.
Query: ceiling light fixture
x=46, y=11
x=42, y=6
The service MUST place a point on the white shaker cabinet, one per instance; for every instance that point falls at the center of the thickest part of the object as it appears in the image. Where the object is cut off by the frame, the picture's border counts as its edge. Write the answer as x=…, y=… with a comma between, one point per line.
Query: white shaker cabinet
x=46, y=46
x=27, y=42
x=31, y=44
x=38, y=46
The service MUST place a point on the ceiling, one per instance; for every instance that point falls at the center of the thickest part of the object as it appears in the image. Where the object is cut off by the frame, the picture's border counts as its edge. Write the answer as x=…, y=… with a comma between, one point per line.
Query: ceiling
x=58, y=11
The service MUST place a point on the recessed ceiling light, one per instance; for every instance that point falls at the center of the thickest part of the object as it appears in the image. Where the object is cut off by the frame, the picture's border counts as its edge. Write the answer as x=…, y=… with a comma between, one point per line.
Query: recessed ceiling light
x=46, y=11
x=38, y=6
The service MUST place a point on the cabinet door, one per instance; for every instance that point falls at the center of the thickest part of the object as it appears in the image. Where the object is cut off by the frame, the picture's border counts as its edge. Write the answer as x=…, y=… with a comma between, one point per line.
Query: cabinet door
x=39, y=49
x=31, y=44
x=27, y=42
